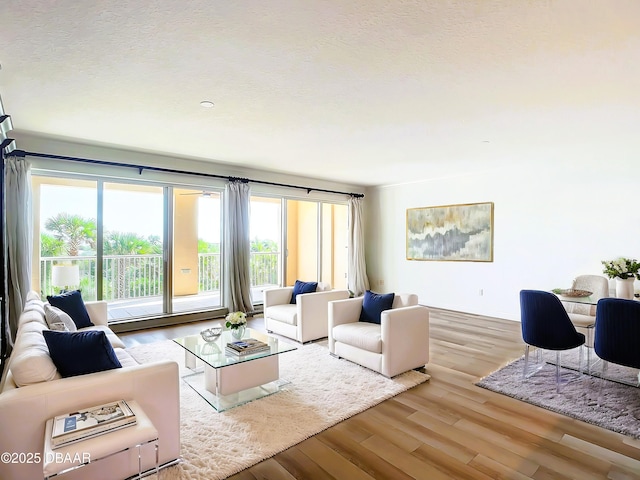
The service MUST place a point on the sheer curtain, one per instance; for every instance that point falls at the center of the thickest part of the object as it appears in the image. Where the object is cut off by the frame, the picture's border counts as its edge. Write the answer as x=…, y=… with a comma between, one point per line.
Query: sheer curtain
x=357, y=281
x=19, y=228
x=237, y=247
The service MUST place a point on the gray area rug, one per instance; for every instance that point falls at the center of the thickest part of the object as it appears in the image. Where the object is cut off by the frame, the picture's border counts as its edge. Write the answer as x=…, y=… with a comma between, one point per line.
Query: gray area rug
x=616, y=409
x=324, y=390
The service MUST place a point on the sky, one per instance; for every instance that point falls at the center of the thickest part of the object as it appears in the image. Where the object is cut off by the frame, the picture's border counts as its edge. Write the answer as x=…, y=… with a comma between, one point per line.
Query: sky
x=141, y=212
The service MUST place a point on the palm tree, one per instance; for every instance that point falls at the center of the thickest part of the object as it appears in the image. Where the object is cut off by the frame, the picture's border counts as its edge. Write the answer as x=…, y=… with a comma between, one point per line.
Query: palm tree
x=73, y=231
x=125, y=244
x=119, y=243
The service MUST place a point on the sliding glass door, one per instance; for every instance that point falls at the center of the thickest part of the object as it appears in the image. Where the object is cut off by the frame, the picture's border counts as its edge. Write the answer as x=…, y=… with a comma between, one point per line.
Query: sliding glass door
x=111, y=237
x=316, y=242
x=196, y=250
x=266, y=244
x=302, y=241
x=132, y=250
x=334, y=251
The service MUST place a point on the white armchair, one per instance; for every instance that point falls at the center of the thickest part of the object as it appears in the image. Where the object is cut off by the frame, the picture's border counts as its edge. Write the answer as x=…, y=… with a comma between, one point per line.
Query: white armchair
x=400, y=343
x=305, y=320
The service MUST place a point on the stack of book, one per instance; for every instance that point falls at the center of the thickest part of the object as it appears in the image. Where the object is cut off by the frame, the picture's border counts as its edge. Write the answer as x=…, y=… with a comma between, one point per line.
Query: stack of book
x=247, y=346
x=90, y=422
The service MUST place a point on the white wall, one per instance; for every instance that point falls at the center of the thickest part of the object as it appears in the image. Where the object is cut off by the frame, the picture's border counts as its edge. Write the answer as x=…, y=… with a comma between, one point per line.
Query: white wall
x=556, y=215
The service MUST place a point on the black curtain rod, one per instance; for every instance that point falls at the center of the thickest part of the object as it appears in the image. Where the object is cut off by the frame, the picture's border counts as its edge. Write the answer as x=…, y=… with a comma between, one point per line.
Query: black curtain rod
x=141, y=168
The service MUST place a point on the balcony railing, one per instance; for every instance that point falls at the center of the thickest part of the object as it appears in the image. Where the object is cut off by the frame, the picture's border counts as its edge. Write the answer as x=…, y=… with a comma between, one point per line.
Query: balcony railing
x=140, y=276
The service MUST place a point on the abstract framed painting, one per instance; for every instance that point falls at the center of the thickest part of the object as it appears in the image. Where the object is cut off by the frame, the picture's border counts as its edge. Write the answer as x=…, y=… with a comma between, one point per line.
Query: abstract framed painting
x=451, y=233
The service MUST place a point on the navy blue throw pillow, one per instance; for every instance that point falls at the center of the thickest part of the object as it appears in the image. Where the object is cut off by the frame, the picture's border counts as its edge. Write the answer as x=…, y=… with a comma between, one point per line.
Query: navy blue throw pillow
x=303, y=287
x=374, y=304
x=71, y=303
x=79, y=353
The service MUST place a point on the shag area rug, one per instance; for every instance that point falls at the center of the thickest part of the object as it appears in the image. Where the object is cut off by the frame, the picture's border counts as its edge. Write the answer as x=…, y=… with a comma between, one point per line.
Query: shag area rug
x=616, y=407
x=323, y=391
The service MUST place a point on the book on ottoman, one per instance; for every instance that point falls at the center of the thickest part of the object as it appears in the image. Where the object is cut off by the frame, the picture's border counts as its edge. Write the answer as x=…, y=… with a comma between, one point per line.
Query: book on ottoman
x=89, y=422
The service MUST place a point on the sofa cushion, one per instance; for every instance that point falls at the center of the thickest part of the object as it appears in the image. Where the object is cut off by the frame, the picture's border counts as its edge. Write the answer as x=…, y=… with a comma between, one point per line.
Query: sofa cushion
x=374, y=304
x=114, y=340
x=33, y=295
x=55, y=315
x=32, y=315
x=72, y=304
x=125, y=359
x=285, y=313
x=303, y=287
x=36, y=306
x=30, y=361
x=362, y=335
x=79, y=353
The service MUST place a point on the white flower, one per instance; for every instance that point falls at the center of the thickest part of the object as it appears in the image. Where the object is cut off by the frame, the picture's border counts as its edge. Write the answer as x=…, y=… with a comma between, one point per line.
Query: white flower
x=622, y=268
x=235, y=319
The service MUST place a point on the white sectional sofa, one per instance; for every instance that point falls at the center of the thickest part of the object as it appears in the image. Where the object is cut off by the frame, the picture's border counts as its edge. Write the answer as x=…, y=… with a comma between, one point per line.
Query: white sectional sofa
x=32, y=391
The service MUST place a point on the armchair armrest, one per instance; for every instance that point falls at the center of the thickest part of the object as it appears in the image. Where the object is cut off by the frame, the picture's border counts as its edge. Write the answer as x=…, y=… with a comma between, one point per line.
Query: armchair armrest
x=344, y=311
x=277, y=296
x=97, y=311
x=404, y=329
x=313, y=313
x=341, y=312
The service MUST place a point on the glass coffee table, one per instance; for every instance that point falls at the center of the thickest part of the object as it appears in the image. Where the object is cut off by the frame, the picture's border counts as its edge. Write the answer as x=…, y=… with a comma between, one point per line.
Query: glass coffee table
x=226, y=380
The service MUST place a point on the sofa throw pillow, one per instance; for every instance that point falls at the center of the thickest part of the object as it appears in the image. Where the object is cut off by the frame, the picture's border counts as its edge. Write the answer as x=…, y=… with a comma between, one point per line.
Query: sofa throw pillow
x=55, y=316
x=374, y=304
x=303, y=287
x=71, y=303
x=79, y=353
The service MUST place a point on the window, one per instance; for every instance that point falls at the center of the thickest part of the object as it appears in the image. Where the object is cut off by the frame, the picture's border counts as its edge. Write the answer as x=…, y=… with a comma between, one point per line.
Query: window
x=266, y=244
x=153, y=250
x=115, y=244
x=65, y=224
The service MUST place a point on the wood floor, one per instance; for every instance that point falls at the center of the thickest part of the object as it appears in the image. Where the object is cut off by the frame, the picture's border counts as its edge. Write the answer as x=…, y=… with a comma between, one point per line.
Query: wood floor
x=447, y=427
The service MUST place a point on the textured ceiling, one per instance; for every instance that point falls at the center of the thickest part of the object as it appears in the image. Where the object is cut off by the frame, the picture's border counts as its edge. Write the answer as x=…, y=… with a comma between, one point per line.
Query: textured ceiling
x=365, y=92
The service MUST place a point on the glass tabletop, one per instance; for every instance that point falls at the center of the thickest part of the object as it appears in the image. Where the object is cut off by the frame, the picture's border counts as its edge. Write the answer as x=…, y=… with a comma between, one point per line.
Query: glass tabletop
x=591, y=299
x=213, y=353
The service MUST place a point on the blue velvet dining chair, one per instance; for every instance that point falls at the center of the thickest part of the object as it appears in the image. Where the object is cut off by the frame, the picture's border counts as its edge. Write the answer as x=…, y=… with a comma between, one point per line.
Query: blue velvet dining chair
x=617, y=333
x=546, y=326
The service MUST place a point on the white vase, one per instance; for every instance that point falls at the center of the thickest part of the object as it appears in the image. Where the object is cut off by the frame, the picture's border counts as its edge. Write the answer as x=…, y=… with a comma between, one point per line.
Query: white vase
x=624, y=288
x=238, y=332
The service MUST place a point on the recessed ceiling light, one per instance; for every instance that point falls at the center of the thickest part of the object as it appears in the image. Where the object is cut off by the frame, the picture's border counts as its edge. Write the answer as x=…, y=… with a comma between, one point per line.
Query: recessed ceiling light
x=206, y=104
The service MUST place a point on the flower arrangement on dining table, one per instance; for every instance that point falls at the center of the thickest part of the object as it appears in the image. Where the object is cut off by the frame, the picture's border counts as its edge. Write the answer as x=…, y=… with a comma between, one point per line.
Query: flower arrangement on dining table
x=621, y=268
x=236, y=320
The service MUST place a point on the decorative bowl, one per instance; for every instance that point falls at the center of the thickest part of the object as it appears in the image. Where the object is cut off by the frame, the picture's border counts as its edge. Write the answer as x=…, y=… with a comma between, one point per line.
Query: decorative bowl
x=211, y=334
x=575, y=293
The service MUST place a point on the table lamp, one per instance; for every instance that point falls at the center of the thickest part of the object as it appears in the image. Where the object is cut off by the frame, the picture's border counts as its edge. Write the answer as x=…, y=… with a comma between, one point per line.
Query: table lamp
x=65, y=276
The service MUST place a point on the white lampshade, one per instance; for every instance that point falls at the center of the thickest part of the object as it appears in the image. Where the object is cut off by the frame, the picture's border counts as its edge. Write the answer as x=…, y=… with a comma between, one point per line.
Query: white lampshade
x=65, y=275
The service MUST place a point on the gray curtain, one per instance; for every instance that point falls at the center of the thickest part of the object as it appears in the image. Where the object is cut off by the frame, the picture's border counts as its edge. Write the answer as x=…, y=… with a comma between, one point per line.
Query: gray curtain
x=357, y=281
x=237, y=248
x=19, y=228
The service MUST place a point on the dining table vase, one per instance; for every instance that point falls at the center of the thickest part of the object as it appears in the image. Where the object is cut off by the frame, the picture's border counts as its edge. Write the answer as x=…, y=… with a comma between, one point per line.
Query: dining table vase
x=624, y=288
